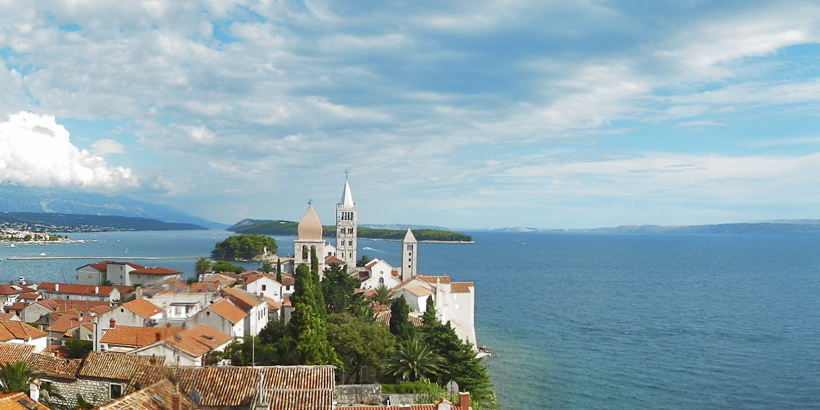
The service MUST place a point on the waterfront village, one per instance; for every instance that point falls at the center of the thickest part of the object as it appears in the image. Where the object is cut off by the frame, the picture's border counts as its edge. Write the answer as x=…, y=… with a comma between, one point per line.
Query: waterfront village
x=158, y=345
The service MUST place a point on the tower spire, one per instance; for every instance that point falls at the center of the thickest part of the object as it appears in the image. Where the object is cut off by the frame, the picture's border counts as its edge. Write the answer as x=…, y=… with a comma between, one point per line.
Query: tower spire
x=347, y=219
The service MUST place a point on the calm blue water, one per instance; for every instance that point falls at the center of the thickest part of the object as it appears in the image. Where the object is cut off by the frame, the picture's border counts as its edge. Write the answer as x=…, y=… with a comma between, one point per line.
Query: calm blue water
x=583, y=321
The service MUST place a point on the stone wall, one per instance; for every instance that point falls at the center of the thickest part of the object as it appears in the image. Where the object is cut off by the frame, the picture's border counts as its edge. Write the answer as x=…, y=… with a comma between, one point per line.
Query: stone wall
x=349, y=394
x=96, y=392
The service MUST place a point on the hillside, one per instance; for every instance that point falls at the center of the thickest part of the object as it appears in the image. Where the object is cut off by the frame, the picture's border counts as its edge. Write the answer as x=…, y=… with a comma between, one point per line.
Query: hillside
x=19, y=199
x=53, y=222
x=288, y=228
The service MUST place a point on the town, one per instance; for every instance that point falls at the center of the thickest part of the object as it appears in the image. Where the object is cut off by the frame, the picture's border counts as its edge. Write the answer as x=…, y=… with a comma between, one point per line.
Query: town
x=132, y=336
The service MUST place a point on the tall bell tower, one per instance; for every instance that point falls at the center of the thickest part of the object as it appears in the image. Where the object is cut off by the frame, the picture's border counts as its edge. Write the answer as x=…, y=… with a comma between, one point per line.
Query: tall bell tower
x=347, y=219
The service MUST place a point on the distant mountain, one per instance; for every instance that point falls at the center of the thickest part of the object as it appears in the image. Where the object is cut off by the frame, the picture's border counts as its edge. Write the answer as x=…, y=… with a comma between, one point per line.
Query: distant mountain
x=779, y=226
x=39, y=200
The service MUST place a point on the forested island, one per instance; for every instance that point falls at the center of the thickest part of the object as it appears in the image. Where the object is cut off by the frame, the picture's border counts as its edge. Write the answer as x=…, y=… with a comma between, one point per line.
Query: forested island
x=288, y=228
x=53, y=222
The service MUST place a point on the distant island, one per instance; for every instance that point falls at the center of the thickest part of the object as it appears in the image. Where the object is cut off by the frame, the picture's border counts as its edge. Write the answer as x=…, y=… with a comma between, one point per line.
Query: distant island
x=780, y=226
x=288, y=228
x=53, y=222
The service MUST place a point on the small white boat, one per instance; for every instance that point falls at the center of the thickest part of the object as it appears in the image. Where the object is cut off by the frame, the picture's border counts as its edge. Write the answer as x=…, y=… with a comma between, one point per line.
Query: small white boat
x=43, y=254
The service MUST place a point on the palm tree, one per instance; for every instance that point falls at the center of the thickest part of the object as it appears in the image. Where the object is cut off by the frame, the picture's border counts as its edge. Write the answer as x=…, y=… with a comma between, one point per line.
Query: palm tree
x=414, y=361
x=383, y=295
x=15, y=377
x=203, y=265
x=266, y=267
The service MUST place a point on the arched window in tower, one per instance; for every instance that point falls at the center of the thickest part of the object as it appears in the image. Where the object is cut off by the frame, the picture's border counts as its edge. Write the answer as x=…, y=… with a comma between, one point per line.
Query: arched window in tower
x=305, y=252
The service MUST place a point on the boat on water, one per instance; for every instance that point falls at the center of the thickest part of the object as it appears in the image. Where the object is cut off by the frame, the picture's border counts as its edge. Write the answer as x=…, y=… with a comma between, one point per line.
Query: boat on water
x=12, y=246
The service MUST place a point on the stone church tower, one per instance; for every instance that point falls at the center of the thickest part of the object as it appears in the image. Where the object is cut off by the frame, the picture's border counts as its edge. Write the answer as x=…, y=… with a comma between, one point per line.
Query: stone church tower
x=409, y=256
x=310, y=237
x=347, y=220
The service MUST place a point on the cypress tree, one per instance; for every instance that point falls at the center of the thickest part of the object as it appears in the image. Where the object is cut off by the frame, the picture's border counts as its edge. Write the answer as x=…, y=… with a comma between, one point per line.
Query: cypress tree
x=309, y=320
x=400, y=325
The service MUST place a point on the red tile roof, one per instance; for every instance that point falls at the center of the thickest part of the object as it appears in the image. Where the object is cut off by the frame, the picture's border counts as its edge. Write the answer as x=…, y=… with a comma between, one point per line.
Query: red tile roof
x=75, y=289
x=143, y=307
x=332, y=259
x=14, y=401
x=62, y=305
x=158, y=396
x=198, y=340
x=13, y=352
x=16, y=306
x=287, y=387
x=13, y=329
x=55, y=366
x=461, y=287
x=138, y=336
x=228, y=310
x=9, y=289
x=67, y=322
x=242, y=299
x=115, y=365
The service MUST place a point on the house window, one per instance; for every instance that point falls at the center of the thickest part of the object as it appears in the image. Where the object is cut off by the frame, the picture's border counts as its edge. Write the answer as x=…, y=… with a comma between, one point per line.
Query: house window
x=264, y=288
x=116, y=391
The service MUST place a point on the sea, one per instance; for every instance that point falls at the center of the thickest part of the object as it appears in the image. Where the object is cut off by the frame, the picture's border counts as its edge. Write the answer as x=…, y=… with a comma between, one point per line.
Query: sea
x=584, y=321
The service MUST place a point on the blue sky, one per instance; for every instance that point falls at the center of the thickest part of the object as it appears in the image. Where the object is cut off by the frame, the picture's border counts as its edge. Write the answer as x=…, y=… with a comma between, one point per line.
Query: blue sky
x=465, y=114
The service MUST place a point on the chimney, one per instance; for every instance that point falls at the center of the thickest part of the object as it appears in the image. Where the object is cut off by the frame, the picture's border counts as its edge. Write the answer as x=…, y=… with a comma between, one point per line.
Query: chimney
x=56, y=287
x=152, y=360
x=96, y=290
x=157, y=336
x=112, y=323
x=175, y=401
x=464, y=400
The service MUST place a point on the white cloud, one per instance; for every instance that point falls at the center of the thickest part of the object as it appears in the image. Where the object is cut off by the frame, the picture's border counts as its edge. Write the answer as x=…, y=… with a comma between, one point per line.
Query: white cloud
x=104, y=147
x=36, y=151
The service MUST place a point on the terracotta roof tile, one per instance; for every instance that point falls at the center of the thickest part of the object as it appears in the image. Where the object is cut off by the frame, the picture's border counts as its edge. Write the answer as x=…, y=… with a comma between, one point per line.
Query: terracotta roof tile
x=117, y=366
x=157, y=396
x=12, y=352
x=55, y=366
x=332, y=259
x=14, y=401
x=290, y=387
x=143, y=307
x=14, y=329
x=67, y=322
x=273, y=305
x=198, y=340
x=8, y=316
x=8, y=289
x=138, y=336
x=288, y=279
x=461, y=287
x=242, y=299
x=61, y=305
x=433, y=279
x=16, y=306
x=228, y=310
x=74, y=289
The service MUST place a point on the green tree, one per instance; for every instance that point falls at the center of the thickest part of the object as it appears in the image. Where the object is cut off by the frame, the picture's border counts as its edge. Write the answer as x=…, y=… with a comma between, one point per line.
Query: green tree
x=244, y=247
x=16, y=376
x=309, y=320
x=78, y=349
x=338, y=288
x=400, y=325
x=363, y=260
x=383, y=295
x=413, y=361
x=223, y=266
x=203, y=265
x=462, y=364
x=360, y=344
x=266, y=267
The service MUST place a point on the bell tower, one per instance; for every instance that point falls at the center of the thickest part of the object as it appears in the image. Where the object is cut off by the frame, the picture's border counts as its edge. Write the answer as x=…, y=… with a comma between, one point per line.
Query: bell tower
x=347, y=219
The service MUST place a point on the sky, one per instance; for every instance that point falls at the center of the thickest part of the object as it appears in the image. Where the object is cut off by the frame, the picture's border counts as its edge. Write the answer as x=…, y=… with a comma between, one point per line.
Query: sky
x=462, y=114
